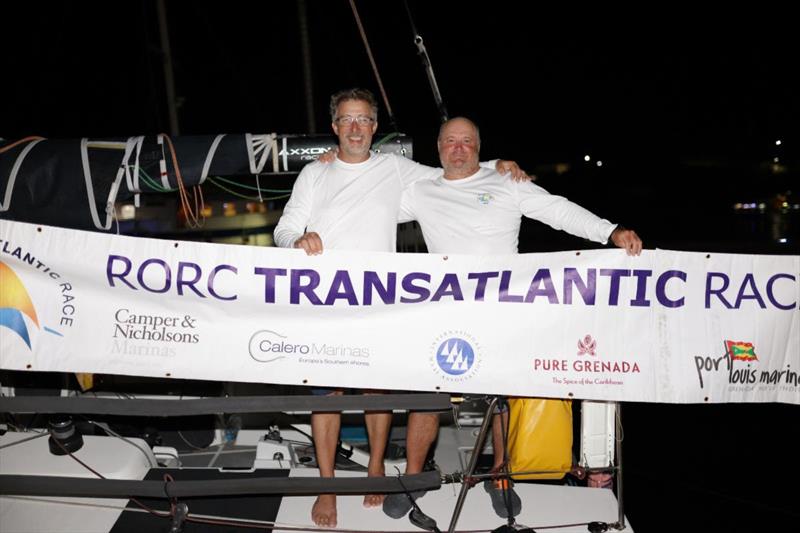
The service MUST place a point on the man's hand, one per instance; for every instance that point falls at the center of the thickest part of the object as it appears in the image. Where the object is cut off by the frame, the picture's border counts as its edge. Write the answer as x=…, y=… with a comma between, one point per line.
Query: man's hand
x=310, y=242
x=627, y=239
x=329, y=156
x=517, y=174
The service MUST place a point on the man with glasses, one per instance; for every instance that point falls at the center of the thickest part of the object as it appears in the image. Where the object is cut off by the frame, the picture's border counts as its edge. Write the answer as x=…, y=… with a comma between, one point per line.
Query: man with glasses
x=351, y=204
x=472, y=210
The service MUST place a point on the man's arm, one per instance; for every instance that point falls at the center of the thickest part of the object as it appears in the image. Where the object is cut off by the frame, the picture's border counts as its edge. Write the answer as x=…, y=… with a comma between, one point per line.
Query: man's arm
x=502, y=167
x=561, y=214
x=411, y=172
x=406, y=213
x=291, y=229
x=627, y=239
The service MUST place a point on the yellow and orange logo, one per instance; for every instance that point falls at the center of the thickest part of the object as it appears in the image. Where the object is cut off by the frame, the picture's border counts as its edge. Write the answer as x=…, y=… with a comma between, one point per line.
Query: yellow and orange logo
x=14, y=302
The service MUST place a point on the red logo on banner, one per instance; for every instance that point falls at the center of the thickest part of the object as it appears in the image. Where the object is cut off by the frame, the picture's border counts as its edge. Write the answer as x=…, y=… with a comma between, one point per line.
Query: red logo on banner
x=587, y=346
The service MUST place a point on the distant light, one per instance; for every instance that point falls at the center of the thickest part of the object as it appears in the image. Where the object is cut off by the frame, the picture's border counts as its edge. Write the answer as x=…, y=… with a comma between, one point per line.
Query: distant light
x=761, y=205
x=127, y=212
x=785, y=204
x=599, y=163
x=737, y=205
x=778, y=142
x=775, y=159
x=783, y=240
x=587, y=158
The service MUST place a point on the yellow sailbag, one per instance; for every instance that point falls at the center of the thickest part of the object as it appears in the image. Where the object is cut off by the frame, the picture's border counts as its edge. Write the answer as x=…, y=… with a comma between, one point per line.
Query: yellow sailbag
x=540, y=437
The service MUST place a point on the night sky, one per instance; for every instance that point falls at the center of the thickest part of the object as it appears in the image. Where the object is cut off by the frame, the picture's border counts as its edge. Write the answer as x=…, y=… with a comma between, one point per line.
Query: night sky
x=543, y=87
x=683, y=108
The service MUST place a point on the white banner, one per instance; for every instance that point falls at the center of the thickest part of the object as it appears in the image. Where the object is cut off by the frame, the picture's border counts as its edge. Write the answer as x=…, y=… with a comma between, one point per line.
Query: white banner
x=667, y=326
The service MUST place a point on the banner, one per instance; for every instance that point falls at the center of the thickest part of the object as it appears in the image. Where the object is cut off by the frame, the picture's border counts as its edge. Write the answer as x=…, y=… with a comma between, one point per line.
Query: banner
x=666, y=326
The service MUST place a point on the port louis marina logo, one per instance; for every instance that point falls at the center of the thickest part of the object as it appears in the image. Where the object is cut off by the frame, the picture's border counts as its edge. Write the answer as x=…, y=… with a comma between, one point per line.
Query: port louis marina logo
x=17, y=308
x=740, y=364
x=455, y=356
x=586, y=367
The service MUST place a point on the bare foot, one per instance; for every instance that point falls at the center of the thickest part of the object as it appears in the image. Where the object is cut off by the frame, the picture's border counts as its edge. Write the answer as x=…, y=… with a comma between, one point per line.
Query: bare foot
x=374, y=500
x=323, y=513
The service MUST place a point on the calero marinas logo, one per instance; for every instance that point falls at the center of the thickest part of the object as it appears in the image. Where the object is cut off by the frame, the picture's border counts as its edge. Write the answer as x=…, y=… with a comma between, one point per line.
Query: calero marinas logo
x=14, y=302
x=741, y=351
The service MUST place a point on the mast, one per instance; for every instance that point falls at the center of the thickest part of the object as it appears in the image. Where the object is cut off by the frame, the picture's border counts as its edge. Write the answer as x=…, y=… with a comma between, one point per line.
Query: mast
x=169, y=76
x=308, y=81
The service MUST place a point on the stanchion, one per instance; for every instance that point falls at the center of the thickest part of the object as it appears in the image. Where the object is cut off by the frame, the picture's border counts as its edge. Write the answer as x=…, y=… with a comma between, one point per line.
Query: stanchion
x=473, y=462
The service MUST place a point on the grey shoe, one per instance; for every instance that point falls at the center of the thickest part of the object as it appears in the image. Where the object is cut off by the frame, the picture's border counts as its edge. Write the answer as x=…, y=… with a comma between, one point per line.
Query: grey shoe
x=498, y=494
x=398, y=505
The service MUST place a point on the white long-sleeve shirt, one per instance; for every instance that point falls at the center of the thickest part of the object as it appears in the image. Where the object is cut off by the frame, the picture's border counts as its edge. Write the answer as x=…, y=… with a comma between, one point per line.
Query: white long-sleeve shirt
x=352, y=206
x=481, y=214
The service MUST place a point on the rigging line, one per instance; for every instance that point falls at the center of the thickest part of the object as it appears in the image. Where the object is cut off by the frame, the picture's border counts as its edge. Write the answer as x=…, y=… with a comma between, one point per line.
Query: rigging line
x=191, y=218
x=113, y=433
x=244, y=197
x=161, y=514
x=386, y=139
x=247, y=449
x=23, y=440
x=157, y=187
x=209, y=157
x=426, y=64
x=389, y=112
x=8, y=147
x=135, y=177
x=196, y=517
x=258, y=524
x=112, y=193
x=216, y=455
x=111, y=209
x=6, y=204
x=194, y=218
x=185, y=440
x=250, y=187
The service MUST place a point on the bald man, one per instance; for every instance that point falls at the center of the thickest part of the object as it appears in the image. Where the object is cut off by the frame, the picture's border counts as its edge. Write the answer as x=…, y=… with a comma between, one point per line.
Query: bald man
x=472, y=210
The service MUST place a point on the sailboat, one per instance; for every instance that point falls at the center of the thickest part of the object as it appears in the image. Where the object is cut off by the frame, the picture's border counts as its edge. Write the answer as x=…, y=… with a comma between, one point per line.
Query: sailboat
x=229, y=457
x=80, y=466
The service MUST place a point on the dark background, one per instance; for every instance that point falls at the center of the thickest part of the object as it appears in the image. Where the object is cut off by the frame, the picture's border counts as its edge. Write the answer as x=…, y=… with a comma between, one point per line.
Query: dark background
x=683, y=108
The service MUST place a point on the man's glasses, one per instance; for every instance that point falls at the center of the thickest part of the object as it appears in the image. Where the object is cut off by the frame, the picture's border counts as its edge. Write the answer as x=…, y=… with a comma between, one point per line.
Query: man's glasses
x=346, y=120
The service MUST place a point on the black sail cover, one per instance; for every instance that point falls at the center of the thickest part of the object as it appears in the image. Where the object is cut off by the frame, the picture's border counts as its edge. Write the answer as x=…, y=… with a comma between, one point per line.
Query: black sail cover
x=55, y=181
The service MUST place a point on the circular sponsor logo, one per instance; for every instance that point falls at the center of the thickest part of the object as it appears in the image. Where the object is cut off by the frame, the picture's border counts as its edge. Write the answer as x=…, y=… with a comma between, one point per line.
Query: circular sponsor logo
x=455, y=356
